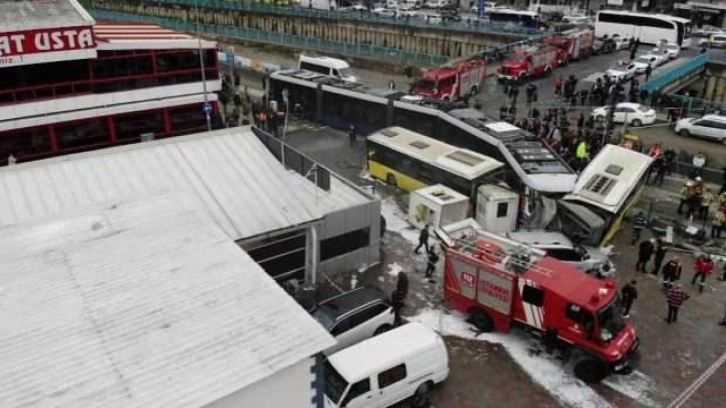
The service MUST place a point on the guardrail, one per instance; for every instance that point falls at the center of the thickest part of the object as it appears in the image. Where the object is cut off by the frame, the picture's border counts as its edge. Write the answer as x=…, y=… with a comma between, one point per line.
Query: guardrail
x=470, y=24
x=677, y=72
x=286, y=40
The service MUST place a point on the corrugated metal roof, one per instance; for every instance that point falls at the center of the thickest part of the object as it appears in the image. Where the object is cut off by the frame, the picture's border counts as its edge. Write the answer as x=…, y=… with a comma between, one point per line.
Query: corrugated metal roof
x=242, y=186
x=139, y=304
x=40, y=14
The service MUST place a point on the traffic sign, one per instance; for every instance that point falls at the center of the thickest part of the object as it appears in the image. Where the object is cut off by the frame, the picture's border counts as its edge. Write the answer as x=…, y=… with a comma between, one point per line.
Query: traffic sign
x=207, y=108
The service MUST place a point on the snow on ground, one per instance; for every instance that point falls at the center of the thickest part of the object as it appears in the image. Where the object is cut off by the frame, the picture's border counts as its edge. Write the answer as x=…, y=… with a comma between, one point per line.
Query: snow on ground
x=544, y=370
x=393, y=269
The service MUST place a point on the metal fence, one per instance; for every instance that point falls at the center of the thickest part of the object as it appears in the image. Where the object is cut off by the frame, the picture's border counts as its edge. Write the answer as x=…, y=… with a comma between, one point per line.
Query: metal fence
x=677, y=72
x=286, y=40
x=470, y=24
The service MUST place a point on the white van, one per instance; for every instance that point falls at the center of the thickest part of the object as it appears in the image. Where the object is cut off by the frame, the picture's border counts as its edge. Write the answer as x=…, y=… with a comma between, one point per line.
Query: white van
x=384, y=370
x=332, y=67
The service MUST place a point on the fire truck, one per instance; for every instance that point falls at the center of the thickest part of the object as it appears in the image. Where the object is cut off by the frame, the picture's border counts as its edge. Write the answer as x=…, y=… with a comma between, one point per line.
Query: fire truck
x=501, y=284
x=576, y=44
x=454, y=81
x=529, y=62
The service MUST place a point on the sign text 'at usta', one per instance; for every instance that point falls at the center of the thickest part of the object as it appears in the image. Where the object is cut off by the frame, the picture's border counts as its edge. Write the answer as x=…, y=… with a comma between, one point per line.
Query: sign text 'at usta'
x=48, y=40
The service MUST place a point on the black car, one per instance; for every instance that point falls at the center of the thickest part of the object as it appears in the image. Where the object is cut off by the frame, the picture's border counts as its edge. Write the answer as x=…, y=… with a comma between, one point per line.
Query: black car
x=603, y=46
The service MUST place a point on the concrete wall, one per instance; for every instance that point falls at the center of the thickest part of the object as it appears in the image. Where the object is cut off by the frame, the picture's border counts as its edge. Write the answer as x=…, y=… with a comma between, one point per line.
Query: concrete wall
x=428, y=40
x=290, y=387
x=348, y=220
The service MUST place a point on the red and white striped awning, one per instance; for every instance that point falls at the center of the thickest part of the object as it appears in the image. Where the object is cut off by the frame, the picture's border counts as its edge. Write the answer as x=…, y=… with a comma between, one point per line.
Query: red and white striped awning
x=111, y=36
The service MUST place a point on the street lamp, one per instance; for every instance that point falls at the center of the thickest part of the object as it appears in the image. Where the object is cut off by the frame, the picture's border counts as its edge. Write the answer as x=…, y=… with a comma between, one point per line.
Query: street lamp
x=204, y=74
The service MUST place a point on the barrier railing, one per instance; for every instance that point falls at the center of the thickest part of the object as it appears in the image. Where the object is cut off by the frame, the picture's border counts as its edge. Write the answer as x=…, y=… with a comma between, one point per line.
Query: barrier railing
x=467, y=24
x=287, y=40
x=676, y=72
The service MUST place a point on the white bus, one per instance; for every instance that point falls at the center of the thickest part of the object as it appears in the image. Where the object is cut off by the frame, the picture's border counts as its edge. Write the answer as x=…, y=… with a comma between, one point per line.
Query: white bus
x=649, y=28
x=410, y=160
x=610, y=185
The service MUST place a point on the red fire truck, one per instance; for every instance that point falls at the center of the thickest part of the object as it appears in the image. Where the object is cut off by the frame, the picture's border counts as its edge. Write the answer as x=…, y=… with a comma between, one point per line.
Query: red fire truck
x=457, y=80
x=502, y=284
x=577, y=44
x=529, y=62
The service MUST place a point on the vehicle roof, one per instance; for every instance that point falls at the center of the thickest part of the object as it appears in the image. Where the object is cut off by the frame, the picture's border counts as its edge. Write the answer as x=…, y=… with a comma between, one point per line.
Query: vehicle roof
x=383, y=351
x=541, y=238
x=348, y=301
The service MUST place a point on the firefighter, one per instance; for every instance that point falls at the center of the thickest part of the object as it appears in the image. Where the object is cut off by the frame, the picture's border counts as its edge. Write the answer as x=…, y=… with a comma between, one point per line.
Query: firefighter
x=686, y=193
x=717, y=224
x=676, y=297
x=423, y=239
x=629, y=293
x=660, y=253
x=639, y=223
x=703, y=267
x=431, y=267
x=645, y=251
x=672, y=272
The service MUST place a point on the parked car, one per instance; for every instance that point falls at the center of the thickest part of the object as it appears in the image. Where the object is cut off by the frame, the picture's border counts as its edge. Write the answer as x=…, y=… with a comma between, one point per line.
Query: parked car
x=634, y=113
x=354, y=316
x=603, y=45
x=671, y=50
x=621, y=43
x=707, y=31
x=642, y=62
x=622, y=72
x=557, y=245
x=711, y=127
x=403, y=364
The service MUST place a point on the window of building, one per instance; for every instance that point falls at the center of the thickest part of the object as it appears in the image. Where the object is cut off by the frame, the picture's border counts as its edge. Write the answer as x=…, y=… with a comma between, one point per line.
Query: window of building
x=345, y=243
x=131, y=127
x=391, y=376
x=86, y=133
x=25, y=144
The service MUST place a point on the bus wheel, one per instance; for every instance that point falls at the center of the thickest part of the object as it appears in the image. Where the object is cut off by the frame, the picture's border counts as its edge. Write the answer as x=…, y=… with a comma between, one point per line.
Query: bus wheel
x=481, y=320
x=591, y=370
x=391, y=179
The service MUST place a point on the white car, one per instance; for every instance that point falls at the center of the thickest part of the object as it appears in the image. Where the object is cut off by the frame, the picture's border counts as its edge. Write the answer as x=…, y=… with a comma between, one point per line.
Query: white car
x=634, y=114
x=642, y=62
x=354, y=316
x=621, y=43
x=671, y=50
x=712, y=127
x=622, y=72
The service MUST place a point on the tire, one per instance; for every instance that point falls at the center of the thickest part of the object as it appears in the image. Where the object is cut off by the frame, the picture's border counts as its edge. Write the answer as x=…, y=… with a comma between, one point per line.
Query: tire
x=382, y=329
x=591, y=370
x=391, y=179
x=481, y=320
x=420, y=397
x=685, y=133
x=636, y=123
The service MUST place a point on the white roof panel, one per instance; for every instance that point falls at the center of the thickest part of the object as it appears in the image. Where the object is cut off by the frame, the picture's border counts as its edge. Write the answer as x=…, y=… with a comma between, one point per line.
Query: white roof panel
x=240, y=184
x=139, y=304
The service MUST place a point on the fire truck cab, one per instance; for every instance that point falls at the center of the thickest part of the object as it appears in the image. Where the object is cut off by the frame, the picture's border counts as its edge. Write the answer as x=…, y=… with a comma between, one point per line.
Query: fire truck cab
x=452, y=82
x=529, y=62
x=502, y=284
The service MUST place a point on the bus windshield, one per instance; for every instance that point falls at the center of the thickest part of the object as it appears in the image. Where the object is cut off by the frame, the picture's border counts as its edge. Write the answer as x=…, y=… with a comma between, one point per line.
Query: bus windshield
x=335, y=384
x=610, y=320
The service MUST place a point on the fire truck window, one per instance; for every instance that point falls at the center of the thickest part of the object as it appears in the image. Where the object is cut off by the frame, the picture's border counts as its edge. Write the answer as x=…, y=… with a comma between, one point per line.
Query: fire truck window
x=391, y=376
x=533, y=296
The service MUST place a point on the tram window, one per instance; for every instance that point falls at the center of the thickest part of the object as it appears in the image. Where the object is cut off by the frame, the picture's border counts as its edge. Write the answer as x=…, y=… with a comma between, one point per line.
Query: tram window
x=25, y=143
x=81, y=134
x=131, y=127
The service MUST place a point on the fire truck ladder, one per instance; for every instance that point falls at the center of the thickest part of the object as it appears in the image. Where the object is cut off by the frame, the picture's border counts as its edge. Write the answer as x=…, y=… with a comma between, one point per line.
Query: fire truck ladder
x=517, y=260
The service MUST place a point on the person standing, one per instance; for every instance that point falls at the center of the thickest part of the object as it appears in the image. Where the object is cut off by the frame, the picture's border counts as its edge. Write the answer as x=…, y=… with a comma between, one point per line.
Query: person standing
x=660, y=253
x=675, y=296
x=352, y=135
x=423, y=239
x=645, y=251
x=639, y=223
x=671, y=272
x=431, y=267
x=629, y=293
x=703, y=267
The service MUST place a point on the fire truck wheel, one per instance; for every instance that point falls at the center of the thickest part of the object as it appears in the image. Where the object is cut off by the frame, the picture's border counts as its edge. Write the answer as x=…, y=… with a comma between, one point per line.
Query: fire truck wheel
x=391, y=179
x=591, y=370
x=420, y=398
x=481, y=320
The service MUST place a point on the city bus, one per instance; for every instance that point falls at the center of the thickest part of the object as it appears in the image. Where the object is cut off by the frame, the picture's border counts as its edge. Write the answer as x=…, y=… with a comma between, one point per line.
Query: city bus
x=649, y=28
x=410, y=160
x=609, y=187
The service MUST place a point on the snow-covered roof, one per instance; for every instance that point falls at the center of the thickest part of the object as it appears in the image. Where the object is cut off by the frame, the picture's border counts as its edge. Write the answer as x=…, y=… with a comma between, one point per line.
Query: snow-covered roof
x=140, y=303
x=21, y=15
x=233, y=176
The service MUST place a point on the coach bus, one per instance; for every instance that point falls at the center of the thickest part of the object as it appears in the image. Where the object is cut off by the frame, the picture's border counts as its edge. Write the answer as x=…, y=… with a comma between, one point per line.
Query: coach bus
x=410, y=161
x=649, y=28
x=610, y=185
x=531, y=165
